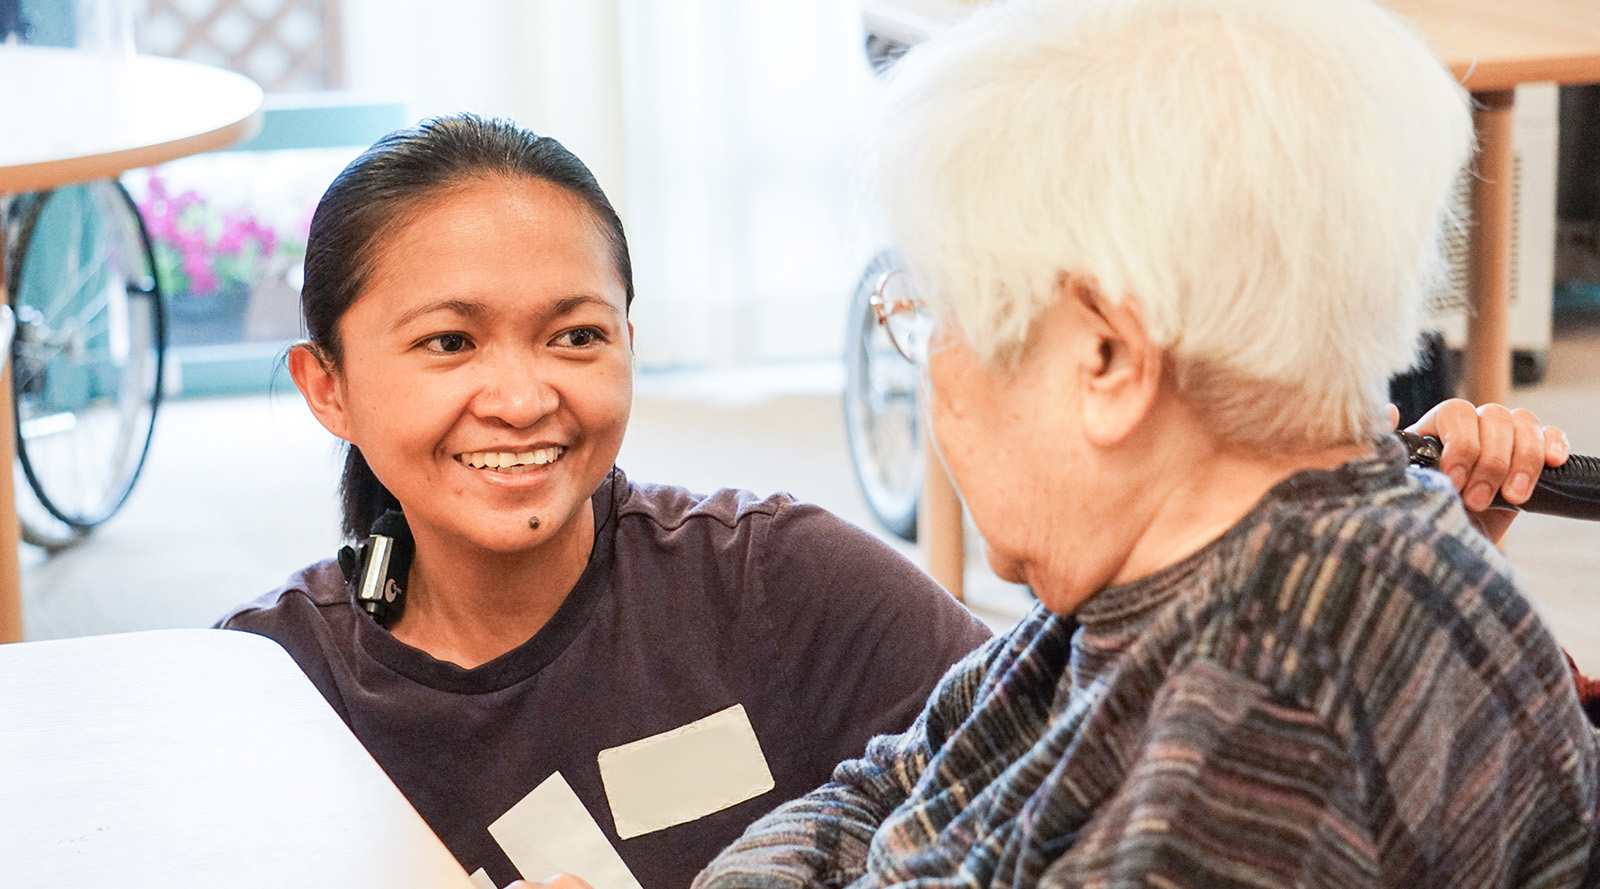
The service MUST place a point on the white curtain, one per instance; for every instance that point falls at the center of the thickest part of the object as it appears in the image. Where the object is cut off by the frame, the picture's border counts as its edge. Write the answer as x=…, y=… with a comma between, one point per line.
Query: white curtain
x=741, y=121
x=724, y=130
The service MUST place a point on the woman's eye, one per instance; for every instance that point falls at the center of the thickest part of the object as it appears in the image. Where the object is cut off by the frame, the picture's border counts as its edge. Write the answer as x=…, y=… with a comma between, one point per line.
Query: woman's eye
x=448, y=343
x=580, y=337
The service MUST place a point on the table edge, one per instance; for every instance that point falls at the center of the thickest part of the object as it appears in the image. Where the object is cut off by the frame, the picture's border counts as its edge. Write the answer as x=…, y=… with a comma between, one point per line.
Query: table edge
x=48, y=174
x=1502, y=74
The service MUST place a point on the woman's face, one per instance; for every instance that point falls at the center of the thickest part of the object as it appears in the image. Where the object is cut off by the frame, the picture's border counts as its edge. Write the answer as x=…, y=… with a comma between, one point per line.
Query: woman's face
x=487, y=367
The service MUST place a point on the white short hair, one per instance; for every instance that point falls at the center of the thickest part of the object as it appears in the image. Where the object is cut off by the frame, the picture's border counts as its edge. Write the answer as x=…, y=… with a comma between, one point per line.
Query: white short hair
x=1267, y=178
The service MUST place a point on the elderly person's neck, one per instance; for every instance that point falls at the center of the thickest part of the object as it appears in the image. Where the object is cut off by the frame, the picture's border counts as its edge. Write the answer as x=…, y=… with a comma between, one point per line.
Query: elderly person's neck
x=1195, y=485
x=1171, y=488
x=1082, y=463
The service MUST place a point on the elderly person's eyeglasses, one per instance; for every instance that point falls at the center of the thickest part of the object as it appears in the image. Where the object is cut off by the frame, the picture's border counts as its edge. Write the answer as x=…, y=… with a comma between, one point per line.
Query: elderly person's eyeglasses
x=903, y=317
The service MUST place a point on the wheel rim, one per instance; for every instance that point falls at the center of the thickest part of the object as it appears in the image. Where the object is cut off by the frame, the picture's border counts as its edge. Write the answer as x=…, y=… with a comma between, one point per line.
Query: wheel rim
x=87, y=354
x=881, y=413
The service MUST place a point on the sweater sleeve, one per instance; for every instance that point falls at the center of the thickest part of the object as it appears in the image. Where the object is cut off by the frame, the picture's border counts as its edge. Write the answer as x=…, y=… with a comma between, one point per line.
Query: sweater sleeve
x=1223, y=760
x=822, y=839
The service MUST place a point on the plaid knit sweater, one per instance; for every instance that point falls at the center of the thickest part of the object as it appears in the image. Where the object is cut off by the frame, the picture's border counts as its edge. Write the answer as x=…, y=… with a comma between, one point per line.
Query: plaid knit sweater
x=1344, y=690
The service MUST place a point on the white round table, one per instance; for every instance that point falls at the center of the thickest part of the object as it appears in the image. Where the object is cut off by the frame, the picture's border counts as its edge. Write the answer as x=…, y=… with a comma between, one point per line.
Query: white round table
x=190, y=759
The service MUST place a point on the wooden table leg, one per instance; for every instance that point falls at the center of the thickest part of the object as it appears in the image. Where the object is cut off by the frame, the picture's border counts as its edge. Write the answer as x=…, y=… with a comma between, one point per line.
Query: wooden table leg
x=10, y=528
x=1488, y=359
x=939, y=524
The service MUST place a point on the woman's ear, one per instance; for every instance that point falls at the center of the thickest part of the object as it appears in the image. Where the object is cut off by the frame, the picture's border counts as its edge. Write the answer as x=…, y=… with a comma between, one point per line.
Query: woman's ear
x=1122, y=369
x=319, y=384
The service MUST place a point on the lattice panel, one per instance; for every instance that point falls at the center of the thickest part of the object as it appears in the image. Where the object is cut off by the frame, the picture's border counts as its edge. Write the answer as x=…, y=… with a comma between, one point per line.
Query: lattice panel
x=284, y=45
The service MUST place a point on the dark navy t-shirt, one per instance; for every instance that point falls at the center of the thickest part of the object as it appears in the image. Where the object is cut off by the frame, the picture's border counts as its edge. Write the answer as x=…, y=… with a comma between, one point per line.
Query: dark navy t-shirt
x=698, y=619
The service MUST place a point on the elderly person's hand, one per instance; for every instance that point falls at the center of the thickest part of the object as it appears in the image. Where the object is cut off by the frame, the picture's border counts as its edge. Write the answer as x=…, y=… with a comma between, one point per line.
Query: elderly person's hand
x=1491, y=449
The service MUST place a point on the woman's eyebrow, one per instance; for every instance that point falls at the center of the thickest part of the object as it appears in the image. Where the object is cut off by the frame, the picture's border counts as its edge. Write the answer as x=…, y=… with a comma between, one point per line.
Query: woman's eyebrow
x=462, y=307
x=474, y=310
x=571, y=304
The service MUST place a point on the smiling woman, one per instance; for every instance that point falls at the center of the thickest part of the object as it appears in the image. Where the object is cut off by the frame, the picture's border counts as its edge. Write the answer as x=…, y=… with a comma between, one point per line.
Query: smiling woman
x=463, y=353
x=579, y=672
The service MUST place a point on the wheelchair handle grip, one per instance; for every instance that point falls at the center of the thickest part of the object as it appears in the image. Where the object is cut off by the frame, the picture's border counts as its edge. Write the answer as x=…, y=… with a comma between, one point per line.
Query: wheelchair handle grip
x=1571, y=490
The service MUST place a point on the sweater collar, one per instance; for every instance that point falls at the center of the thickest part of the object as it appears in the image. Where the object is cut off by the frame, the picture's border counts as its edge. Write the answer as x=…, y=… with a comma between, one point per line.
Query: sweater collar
x=1121, y=604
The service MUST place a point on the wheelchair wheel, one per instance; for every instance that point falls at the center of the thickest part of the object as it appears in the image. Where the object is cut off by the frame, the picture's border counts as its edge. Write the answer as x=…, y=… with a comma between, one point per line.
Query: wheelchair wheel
x=881, y=413
x=87, y=358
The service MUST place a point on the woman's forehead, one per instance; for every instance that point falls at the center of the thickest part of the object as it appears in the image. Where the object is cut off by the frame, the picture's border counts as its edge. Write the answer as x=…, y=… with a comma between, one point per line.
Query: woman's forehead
x=497, y=228
x=502, y=196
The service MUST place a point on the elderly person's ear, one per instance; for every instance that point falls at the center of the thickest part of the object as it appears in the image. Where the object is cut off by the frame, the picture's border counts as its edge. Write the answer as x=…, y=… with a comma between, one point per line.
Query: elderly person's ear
x=1119, y=368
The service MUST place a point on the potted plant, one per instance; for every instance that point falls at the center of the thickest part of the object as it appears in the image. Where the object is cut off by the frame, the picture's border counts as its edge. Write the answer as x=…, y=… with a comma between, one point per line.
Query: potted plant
x=209, y=260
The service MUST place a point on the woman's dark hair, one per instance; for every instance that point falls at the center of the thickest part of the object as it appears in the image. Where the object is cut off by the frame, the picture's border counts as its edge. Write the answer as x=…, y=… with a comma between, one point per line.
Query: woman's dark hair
x=383, y=190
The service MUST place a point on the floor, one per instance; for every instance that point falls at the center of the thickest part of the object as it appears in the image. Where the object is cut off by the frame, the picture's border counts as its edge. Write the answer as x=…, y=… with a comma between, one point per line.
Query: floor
x=239, y=492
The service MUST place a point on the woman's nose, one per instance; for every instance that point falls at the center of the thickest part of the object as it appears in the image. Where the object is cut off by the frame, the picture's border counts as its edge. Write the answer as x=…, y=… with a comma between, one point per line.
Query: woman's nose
x=515, y=391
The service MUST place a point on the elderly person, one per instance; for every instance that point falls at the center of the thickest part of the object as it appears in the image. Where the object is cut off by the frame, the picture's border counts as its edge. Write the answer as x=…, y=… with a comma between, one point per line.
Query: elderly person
x=1167, y=253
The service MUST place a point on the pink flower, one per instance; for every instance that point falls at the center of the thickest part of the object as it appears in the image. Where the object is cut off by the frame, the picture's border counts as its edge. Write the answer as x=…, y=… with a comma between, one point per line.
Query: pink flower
x=204, y=249
x=158, y=220
x=189, y=241
x=190, y=198
x=234, y=233
x=202, y=278
x=266, y=237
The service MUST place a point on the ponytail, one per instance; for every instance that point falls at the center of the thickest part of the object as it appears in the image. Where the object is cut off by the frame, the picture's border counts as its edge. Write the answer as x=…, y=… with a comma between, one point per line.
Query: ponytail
x=363, y=497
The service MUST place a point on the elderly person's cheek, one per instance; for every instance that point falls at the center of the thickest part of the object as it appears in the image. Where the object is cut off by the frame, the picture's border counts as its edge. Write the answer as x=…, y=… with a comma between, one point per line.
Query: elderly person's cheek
x=981, y=428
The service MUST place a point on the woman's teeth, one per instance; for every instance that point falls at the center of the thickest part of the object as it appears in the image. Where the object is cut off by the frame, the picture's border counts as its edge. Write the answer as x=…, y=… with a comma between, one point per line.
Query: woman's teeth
x=507, y=461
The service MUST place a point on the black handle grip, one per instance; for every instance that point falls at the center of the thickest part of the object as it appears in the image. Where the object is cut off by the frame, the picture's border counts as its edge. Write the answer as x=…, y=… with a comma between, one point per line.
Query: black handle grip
x=1571, y=490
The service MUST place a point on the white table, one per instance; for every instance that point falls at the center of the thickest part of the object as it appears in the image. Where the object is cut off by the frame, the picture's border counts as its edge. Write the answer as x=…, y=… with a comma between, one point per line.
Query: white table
x=193, y=758
x=1492, y=46
x=68, y=116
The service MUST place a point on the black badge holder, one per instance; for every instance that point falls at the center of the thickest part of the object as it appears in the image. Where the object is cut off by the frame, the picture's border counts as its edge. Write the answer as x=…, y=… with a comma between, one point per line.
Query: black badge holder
x=378, y=567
